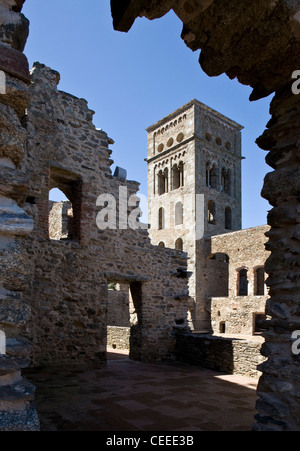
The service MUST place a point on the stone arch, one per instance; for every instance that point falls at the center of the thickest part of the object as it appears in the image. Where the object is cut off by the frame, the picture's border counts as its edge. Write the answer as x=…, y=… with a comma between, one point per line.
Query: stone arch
x=214, y=176
x=175, y=177
x=178, y=175
x=179, y=244
x=179, y=213
x=161, y=185
x=242, y=281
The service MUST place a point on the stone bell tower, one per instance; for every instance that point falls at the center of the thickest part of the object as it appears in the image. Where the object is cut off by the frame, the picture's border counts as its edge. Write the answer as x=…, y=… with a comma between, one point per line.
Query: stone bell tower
x=194, y=190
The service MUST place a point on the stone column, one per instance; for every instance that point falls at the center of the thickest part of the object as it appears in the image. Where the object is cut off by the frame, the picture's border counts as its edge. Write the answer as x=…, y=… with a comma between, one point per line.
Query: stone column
x=17, y=411
x=279, y=387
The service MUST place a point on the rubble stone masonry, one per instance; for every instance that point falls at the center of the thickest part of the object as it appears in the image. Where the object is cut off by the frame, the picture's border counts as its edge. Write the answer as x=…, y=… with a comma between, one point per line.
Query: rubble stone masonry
x=244, y=250
x=259, y=44
x=68, y=289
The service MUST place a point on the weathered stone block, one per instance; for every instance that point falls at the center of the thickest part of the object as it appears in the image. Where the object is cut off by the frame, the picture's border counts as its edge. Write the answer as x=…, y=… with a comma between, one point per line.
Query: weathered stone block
x=14, y=63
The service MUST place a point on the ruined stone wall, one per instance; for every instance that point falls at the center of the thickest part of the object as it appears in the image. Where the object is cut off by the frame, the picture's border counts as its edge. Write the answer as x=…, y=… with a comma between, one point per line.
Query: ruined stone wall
x=119, y=306
x=68, y=291
x=259, y=44
x=244, y=249
x=17, y=411
x=60, y=216
x=226, y=355
x=118, y=338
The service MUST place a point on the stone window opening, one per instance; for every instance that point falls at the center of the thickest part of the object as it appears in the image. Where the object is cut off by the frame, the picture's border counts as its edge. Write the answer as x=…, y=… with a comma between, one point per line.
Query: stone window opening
x=243, y=282
x=179, y=244
x=211, y=212
x=259, y=281
x=214, y=177
x=161, y=244
x=208, y=166
x=163, y=182
x=179, y=213
x=178, y=176
x=228, y=218
x=64, y=216
x=226, y=181
x=223, y=327
x=227, y=184
x=161, y=219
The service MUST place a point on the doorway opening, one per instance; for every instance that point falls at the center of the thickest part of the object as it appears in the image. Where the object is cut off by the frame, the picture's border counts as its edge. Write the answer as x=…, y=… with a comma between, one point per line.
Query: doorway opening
x=124, y=310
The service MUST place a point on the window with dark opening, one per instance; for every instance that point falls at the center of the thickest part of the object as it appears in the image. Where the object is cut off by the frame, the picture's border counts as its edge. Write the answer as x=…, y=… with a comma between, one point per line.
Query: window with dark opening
x=243, y=282
x=223, y=328
x=214, y=177
x=64, y=205
x=211, y=212
x=163, y=182
x=175, y=177
x=178, y=176
x=178, y=214
x=259, y=281
x=161, y=219
x=179, y=244
x=228, y=218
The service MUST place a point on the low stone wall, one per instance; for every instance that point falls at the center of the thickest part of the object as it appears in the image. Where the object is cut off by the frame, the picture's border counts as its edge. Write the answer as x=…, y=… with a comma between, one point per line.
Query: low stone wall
x=233, y=356
x=118, y=338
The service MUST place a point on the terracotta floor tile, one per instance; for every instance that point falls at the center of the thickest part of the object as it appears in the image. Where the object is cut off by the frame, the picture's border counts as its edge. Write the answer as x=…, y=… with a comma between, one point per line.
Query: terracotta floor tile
x=134, y=396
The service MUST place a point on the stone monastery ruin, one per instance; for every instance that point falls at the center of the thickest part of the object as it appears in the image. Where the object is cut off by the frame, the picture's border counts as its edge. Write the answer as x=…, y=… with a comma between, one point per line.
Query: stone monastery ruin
x=50, y=312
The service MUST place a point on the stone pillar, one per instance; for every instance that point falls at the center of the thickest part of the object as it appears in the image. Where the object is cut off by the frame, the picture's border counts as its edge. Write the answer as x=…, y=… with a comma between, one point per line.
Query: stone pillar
x=279, y=386
x=17, y=411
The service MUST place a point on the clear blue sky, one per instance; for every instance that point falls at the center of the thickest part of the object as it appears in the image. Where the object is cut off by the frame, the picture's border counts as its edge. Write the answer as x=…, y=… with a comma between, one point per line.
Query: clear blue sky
x=133, y=80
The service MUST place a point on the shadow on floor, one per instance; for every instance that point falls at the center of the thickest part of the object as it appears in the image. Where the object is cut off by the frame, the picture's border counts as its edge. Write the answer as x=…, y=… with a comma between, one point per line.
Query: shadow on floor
x=115, y=354
x=134, y=396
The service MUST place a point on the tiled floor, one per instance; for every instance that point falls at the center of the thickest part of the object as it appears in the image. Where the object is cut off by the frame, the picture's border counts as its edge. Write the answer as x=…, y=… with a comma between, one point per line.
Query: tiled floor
x=133, y=396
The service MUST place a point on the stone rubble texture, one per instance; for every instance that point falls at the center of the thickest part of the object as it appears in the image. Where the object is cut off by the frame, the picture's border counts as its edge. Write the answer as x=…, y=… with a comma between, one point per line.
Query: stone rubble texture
x=258, y=43
x=49, y=309
x=17, y=412
x=54, y=293
x=245, y=249
x=70, y=277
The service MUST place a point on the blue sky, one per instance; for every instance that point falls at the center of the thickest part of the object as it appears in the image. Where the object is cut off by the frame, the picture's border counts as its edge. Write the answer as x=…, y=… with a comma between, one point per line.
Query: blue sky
x=133, y=80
